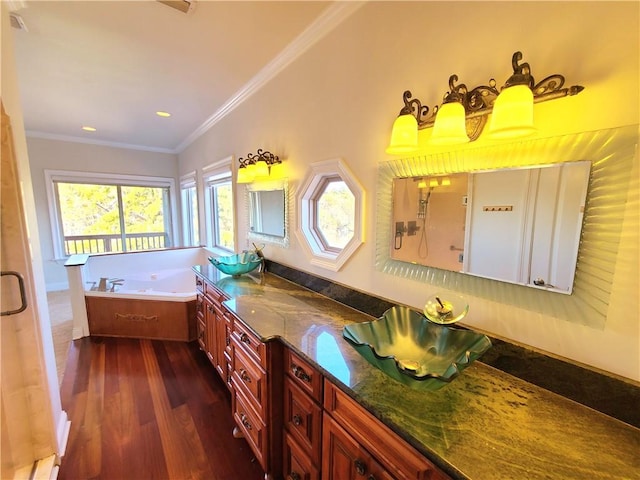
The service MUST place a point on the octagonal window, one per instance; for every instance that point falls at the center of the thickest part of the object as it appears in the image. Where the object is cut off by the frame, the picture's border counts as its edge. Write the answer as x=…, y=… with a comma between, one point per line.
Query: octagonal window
x=336, y=214
x=331, y=206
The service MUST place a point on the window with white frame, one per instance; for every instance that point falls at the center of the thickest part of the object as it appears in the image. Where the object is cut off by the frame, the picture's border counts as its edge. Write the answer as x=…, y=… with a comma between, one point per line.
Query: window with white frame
x=190, y=218
x=100, y=213
x=331, y=210
x=219, y=203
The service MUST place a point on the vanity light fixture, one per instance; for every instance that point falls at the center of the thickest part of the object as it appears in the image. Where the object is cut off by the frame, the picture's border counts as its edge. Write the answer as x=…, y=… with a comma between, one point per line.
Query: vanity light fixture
x=263, y=165
x=464, y=112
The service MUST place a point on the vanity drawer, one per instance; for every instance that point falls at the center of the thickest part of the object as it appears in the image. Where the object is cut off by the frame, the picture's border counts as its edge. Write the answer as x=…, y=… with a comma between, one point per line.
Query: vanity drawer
x=249, y=377
x=254, y=431
x=297, y=464
x=214, y=294
x=304, y=375
x=303, y=419
x=249, y=342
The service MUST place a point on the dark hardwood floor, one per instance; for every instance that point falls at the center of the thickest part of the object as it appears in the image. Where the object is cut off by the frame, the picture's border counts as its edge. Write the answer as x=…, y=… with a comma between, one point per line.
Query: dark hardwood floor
x=142, y=409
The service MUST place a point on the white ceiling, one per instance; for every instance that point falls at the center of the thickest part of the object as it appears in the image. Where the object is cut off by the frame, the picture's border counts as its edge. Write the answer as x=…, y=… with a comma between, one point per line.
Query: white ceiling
x=113, y=64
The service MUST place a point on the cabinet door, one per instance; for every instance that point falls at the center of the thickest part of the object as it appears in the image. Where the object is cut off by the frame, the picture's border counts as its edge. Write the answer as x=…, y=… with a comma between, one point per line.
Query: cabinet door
x=201, y=329
x=220, y=363
x=303, y=419
x=297, y=465
x=344, y=458
x=210, y=334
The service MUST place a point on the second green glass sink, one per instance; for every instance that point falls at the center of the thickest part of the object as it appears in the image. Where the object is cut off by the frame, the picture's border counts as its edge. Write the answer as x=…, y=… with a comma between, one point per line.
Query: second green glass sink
x=414, y=351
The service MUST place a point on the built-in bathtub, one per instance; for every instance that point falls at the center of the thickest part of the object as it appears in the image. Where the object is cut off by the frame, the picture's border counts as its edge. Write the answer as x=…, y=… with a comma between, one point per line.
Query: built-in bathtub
x=143, y=294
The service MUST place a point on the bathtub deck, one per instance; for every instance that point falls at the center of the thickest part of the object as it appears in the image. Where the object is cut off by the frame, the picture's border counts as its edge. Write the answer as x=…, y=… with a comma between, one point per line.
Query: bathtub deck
x=143, y=409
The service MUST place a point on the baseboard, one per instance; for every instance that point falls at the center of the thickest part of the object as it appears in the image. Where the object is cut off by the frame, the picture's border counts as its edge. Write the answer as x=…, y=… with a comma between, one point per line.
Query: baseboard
x=64, y=426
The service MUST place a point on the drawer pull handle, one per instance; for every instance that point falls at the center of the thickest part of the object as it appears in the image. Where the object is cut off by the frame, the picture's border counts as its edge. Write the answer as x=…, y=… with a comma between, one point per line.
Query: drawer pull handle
x=361, y=468
x=299, y=372
x=244, y=376
x=297, y=420
x=245, y=339
x=245, y=422
x=294, y=476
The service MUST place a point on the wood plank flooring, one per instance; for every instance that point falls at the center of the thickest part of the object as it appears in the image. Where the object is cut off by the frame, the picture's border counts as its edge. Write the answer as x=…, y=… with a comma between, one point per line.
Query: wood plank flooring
x=143, y=409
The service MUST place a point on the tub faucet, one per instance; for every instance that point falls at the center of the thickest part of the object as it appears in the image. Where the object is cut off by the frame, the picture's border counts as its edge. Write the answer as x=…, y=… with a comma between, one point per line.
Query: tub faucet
x=102, y=285
x=114, y=282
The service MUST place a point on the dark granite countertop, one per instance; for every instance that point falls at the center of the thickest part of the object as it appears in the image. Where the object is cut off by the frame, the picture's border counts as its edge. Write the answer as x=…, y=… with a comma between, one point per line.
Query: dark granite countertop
x=484, y=425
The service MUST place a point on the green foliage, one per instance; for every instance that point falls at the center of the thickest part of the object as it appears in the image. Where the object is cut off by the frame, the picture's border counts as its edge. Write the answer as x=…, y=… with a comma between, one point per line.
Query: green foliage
x=336, y=214
x=88, y=209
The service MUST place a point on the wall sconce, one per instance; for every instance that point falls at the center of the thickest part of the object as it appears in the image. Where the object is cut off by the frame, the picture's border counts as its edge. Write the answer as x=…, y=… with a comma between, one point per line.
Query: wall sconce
x=463, y=113
x=261, y=166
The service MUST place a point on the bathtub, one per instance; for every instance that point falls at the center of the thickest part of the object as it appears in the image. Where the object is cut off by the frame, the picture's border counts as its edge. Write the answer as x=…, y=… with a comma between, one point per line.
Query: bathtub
x=155, y=298
x=172, y=285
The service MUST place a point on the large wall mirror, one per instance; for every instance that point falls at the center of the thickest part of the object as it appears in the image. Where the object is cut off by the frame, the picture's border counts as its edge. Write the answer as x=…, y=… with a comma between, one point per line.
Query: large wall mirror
x=611, y=155
x=518, y=225
x=268, y=213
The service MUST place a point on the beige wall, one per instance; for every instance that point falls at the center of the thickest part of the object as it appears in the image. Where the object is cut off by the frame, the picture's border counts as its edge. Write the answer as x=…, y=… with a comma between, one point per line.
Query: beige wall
x=340, y=98
x=45, y=154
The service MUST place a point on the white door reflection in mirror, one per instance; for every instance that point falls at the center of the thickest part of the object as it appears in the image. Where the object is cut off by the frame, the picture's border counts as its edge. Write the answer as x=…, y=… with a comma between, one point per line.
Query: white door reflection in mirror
x=518, y=225
x=266, y=212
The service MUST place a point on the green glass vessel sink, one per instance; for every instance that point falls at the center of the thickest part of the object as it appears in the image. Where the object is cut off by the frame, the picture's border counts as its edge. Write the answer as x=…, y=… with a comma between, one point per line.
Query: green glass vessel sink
x=237, y=264
x=414, y=351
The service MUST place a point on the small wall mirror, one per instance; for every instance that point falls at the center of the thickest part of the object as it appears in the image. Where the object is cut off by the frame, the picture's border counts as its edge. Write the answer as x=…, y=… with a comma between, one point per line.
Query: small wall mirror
x=268, y=212
x=519, y=225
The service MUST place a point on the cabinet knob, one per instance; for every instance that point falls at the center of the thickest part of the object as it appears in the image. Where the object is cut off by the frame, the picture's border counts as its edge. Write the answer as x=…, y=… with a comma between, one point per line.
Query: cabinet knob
x=245, y=376
x=227, y=341
x=297, y=420
x=361, y=468
x=294, y=476
x=299, y=372
x=245, y=422
x=245, y=339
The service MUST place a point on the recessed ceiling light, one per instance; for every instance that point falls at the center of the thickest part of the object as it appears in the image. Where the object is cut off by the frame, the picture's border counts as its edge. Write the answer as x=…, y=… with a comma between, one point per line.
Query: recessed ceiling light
x=163, y=114
x=88, y=129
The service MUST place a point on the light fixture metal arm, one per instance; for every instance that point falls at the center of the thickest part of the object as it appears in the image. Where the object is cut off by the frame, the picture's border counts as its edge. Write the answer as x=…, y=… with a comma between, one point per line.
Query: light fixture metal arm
x=478, y=101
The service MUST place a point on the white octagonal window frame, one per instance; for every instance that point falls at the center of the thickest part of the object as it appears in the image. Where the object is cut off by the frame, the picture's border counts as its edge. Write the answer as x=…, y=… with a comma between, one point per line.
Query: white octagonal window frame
x=321, y=174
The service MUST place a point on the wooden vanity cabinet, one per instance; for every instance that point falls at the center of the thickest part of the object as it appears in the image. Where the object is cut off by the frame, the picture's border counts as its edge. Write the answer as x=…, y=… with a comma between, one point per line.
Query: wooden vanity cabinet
x=211, y=325
x=256, y=397
x=302, y=420
x=355, y=441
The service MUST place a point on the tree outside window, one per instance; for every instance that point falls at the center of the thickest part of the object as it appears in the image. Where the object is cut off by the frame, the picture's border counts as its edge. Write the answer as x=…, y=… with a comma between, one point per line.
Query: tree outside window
x=98, y=218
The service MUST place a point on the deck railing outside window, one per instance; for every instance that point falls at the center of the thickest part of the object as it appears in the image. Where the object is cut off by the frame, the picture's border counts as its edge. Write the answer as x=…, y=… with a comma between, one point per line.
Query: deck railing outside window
x=78, y=244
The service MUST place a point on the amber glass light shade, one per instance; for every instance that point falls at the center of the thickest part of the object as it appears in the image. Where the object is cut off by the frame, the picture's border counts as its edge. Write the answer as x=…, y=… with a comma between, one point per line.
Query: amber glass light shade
x=512, y=113
x=277, y=172
x=450, y=127
x=404, y=135
x=244, y=176
x=261, y=169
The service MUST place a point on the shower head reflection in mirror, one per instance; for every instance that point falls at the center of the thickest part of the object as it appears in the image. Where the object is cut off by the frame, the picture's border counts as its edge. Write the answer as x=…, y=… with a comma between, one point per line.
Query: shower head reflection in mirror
x=519, y=225
x=607, y=233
